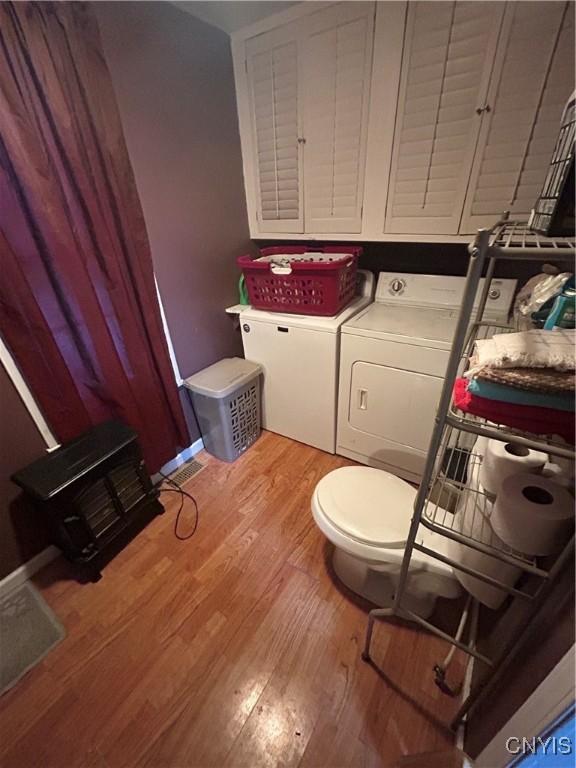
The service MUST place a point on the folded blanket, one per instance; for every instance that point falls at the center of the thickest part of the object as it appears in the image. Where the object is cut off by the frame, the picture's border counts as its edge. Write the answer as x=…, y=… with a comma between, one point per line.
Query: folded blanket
x=491, y=391
x=531, y=379
x=527, y=349
x=528, y=418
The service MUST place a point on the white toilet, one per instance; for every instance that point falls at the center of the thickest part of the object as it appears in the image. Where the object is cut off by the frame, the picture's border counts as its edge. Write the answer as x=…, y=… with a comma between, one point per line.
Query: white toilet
x=366, y=514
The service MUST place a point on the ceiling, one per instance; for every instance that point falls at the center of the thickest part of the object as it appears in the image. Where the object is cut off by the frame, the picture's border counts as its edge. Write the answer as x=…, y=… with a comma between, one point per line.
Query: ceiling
x=231, y=15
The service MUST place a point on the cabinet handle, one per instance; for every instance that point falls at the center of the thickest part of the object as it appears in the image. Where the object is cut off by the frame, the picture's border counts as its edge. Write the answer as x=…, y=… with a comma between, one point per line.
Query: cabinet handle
x=363, y=399
x=485, y=108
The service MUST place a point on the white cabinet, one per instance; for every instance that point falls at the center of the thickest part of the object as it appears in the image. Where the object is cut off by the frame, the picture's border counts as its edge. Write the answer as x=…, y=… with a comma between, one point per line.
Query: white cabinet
x=482, y=89
x=395, y=120
x=447, y=61
x=337, y=65
x=303, y=97
x=533, y=78
x=272, y=66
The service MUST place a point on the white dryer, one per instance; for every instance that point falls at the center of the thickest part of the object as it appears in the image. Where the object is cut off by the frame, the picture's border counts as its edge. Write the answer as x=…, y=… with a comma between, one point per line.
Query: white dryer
x=299, y=355
x=393, y=357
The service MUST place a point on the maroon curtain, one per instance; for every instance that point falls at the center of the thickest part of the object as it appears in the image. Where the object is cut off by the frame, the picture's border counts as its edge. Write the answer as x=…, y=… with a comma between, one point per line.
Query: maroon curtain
x=78, y=305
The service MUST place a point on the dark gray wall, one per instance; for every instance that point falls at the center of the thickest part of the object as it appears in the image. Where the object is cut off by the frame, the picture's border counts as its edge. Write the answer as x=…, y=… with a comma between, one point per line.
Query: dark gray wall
x=21, y=535
x=434, y=259
x=174, y=84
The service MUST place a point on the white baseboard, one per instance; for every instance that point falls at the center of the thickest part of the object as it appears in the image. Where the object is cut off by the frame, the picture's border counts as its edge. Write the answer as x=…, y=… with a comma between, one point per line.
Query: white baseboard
x=182, y=458
x=27, y=570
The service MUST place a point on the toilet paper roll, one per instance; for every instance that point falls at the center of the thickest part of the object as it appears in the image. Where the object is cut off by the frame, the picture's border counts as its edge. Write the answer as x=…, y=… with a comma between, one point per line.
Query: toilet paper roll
x=504, y=459
x=532, y=514
x=472, y=520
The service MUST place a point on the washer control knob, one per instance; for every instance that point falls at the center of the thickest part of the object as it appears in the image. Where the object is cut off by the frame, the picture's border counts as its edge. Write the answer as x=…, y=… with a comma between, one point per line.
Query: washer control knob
x=397, y=286
x=494, y=293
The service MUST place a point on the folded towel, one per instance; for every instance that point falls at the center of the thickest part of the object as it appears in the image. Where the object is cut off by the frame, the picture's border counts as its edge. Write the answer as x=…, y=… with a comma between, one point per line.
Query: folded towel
x=491, y=391
x=528, y=418
x=531, y=379
x=527, y=349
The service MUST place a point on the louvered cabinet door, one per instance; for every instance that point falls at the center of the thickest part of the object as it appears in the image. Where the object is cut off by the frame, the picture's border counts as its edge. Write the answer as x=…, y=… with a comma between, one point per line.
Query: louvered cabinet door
x=337, y=64
x=448, y=55
x=272, y=64
x=533, y=79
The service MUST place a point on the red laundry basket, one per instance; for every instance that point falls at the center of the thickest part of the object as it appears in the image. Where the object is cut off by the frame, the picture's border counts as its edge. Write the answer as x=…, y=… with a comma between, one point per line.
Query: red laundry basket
x=320, y=283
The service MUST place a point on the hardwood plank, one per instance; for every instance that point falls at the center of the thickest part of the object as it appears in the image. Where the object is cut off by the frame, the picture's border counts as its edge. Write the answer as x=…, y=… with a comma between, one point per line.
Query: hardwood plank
x=224, y=704
x=235, y=648
x=281, y=722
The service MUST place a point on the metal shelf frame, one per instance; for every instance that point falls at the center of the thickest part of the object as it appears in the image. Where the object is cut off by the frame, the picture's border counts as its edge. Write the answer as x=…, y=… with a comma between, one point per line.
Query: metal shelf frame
x=511, y=241
x=437, y=519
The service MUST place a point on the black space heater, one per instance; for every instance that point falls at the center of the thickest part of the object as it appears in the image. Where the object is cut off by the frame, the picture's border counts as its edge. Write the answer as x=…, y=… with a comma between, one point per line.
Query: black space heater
x=94, y=493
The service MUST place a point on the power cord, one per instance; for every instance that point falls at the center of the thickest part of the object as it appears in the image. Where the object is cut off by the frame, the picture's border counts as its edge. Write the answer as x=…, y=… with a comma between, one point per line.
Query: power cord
x=183, y=494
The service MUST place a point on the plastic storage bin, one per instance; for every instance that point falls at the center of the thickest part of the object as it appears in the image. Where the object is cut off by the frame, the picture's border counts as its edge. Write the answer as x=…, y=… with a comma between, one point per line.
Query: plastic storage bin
x=302, y=280
x=226, y=400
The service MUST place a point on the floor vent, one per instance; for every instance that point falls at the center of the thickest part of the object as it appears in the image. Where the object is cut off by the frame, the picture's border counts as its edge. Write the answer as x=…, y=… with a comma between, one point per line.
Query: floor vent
x=186, y=471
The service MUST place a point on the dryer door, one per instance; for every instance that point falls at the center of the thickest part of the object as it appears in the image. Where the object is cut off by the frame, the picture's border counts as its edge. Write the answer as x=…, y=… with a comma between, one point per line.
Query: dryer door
x=394, y=404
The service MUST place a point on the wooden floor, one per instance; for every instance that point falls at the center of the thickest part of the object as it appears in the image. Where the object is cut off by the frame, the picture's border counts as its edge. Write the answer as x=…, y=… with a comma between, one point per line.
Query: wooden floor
x=235, y=648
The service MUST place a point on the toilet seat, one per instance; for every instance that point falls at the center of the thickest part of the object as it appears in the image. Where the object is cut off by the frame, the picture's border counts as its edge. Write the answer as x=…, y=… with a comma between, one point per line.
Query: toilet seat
x=369, y=505
x=367, y=513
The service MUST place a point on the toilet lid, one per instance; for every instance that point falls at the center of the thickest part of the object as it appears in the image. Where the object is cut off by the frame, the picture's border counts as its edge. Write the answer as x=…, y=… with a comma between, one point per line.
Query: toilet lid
x=368, y=504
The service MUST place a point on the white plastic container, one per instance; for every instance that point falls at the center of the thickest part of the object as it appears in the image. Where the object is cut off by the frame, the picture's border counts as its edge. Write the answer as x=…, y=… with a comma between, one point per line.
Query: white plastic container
x=226, y=400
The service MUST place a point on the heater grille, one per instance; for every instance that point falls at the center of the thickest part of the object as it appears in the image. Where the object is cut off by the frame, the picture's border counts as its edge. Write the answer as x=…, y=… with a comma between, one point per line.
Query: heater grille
x=97, y=505
x=109, y=498
x=128, y=485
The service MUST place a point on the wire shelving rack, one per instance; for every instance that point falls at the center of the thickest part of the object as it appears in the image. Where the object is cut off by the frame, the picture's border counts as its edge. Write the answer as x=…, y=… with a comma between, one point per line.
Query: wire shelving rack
x=453, y=436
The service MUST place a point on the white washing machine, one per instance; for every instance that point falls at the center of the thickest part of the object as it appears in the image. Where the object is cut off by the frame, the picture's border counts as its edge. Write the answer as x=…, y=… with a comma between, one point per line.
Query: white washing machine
x=393, y=356
x=299, y=355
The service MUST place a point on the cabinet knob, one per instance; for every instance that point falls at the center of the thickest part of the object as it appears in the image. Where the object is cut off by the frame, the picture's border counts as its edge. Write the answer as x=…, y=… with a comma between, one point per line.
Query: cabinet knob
x=301, y=140
x=485, y=108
